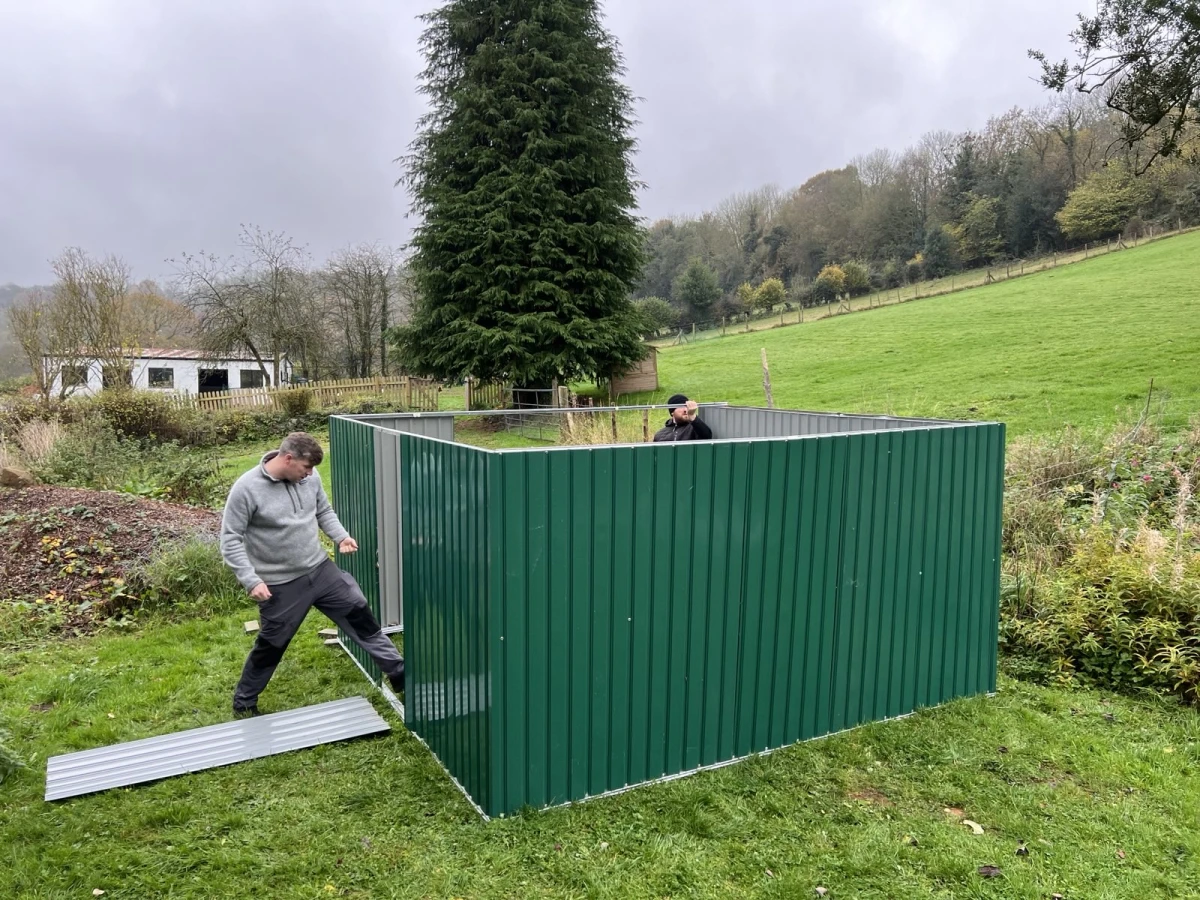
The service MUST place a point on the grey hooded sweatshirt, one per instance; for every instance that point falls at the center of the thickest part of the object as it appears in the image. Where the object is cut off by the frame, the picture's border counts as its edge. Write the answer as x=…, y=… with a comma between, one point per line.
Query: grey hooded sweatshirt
x=269, y=527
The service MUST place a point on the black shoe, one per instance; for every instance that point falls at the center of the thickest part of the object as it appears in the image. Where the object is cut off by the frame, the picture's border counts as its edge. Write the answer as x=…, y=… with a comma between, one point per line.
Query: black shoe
x=246, y=712
x=397, y=680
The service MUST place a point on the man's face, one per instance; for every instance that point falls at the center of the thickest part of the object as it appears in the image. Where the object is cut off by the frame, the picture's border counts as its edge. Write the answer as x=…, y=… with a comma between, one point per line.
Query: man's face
x=680, y=414
x=295, y=468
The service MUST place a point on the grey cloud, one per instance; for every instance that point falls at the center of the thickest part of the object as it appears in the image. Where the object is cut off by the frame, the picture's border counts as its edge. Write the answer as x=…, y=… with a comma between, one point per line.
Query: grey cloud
x=145, y=128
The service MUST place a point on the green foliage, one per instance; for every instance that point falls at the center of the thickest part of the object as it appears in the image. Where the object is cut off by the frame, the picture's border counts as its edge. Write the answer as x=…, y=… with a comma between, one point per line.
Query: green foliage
x=770, y=294
x=940, y=257
x=893, y=273
x=91, y=454
x=295, y=402
x=1102, y=578
x=977, y=235
x=10, y=762
x=1140, y=56
x=829, y=284
x=1103, y=205
x=528, y=248
x=914, y=269
x=188, y=577
x=139, y=414
x=657, y=314
x=697, y=289
x=858, y=278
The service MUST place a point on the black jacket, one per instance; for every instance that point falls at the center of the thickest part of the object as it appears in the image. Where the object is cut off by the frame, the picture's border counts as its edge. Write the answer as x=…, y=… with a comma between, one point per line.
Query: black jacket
x=689, y=431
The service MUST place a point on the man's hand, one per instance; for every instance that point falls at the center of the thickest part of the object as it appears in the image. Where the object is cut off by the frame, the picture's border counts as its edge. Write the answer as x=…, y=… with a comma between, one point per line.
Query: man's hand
x=349, y=545
x=693, y=410
x=261, y=593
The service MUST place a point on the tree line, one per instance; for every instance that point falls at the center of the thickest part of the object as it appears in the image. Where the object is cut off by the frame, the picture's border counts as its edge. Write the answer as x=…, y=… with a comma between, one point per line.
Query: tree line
x=1029, y=183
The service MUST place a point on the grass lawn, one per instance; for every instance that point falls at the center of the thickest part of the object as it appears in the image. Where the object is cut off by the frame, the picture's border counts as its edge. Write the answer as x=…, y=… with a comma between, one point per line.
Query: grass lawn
x=1075, y=346
x=1102, y=790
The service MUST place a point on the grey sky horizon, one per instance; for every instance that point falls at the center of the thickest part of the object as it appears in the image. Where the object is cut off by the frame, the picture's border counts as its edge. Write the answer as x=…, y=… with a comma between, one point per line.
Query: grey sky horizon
x=146, y=129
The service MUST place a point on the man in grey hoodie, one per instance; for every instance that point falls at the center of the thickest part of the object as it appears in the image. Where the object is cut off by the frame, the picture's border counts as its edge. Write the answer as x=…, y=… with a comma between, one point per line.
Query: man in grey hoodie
x=269, y=538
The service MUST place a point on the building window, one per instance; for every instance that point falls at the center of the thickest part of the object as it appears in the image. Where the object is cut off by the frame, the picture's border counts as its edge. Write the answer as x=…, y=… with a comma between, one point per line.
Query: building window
x=162, y=378
x=74, y=376
x=252, y=378
x=117, y=375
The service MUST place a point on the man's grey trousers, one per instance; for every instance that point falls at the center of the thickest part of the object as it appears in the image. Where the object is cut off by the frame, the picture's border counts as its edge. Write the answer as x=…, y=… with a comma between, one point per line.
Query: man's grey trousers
x=337, y=595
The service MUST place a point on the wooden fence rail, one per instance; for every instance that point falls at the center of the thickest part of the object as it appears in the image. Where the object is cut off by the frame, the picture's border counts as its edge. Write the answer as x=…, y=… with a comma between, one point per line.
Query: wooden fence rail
x=416, y=394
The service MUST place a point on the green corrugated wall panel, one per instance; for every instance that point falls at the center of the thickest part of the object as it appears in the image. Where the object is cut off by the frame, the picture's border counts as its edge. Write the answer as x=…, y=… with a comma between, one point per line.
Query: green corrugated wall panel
x=664, y=608
x=582, y=620
x=447, y=611
x=352, y=474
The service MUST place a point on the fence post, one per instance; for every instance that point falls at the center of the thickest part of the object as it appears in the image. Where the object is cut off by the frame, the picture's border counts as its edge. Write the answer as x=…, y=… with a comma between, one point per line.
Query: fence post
x=613, y=414
x=767, y=380
x=467, y=393
x=723, y=318
x=646, y=425
x=408, y=392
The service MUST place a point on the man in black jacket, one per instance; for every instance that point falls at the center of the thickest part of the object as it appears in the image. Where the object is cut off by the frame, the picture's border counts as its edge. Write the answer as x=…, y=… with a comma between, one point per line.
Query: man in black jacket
x=684, y=424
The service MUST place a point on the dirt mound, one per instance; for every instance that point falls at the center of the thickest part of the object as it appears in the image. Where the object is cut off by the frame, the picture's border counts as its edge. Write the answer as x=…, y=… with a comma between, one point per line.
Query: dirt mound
x=73, y=550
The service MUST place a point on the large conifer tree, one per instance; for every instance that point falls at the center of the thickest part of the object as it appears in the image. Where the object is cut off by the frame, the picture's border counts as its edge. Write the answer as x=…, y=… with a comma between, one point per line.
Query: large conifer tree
x=528, y=249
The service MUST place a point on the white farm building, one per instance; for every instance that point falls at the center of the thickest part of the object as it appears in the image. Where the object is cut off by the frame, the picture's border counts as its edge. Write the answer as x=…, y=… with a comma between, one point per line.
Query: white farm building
x=179, y=371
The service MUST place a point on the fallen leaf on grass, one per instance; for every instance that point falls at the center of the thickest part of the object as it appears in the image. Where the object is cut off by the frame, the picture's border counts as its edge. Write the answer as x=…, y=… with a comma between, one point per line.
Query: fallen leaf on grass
x=990, y=871
x=1120, y=854
x=911, y=840
x=1022, y=850
x=974, y=826
x=112, y=715
x=954, y=811
x=770, y=874
x=97, y=893
x=558, y=847
x=604, y=845
x=1056, y=897
x=821, y=892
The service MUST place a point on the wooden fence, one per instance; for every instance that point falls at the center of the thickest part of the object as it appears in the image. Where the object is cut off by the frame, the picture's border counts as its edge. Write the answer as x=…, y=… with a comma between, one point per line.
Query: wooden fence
x=486, y=396
x=412, y=394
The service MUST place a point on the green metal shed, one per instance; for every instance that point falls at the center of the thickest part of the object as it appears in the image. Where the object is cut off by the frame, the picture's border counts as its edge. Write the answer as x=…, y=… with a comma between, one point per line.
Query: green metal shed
x=580, y=620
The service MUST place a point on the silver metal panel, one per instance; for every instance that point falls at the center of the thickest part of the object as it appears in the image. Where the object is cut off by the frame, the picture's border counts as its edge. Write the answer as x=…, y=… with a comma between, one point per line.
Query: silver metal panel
x=391, y=549
x=434, y=425
x=151, y=759
x=740, y=422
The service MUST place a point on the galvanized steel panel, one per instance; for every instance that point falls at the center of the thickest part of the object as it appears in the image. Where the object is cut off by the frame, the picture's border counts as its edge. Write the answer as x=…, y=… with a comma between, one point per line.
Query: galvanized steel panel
x=196, y=749
x=733, y=422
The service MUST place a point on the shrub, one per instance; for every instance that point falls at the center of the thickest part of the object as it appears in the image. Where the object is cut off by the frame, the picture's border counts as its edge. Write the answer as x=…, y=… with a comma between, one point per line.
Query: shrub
x=139, y=414
x=37, y=438
x=295, y=401
x=657, y=314
x=830, y=284
x=1101, y=572
x=89, y=454
x=185, y=475
x=770, y=293
x=858, y=279
x=187, y=577
x=914, y=269
x=892, y=275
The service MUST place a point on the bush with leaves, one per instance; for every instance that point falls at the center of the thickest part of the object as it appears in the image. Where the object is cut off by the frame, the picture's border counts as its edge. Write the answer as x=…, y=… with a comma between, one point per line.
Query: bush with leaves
x=830, y=284
x=295, y=402
x=656, y=315
x=187, y=577
x=858, y=278
x=90, y=454
x=1102, y=570
x=770, y=294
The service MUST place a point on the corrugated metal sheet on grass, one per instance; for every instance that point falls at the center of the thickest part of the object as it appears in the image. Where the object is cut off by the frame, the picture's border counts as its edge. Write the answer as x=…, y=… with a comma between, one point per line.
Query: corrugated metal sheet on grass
x=661, y=608
x=728, y=422
x=196, y=749
x=447, y=586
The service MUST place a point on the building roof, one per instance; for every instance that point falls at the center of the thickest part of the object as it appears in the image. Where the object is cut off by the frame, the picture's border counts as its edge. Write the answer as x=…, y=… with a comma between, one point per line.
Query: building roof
x=202, y=355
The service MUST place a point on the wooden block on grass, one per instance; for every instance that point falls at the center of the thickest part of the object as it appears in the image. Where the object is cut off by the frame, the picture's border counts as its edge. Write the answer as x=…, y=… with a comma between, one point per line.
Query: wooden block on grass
x=331, y=642
x=327, y=632
x=250, y=627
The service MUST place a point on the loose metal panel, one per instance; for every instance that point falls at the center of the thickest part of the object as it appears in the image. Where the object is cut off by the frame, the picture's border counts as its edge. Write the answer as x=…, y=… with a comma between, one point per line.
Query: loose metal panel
x=196, y=749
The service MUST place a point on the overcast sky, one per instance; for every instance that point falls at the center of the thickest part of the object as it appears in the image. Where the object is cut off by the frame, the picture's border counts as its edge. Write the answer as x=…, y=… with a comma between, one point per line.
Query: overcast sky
x=149, y=127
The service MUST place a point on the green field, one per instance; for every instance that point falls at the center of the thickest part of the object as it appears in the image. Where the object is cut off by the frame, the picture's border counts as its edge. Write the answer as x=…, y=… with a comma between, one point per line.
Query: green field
x=1100, y=789
x=1077, y=345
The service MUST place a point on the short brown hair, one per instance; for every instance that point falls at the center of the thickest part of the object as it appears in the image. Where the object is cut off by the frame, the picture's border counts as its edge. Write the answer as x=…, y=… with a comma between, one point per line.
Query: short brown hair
x=303, y=445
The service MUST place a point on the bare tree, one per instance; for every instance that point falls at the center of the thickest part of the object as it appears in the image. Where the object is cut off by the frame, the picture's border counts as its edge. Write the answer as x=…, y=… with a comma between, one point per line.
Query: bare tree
x=258, y=301
x=361, y=285
x=84, y=319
